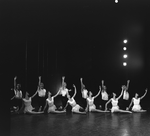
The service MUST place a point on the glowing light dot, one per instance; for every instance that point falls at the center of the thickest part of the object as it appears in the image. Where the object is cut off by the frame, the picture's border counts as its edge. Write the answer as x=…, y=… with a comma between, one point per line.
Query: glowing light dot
x=125, y=41
x=124, y=48
x=116, y=1
x=125, y=56
x=124, y=63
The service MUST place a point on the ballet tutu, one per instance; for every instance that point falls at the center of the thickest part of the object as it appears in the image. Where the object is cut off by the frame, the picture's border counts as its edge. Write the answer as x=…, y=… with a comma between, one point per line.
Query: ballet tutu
x=92, y=107
x=115, y=108
x=136, y=108
x=76, y=108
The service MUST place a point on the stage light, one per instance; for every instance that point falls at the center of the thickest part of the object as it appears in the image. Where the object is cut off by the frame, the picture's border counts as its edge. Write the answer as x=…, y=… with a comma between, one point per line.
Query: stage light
x=124, y=48
x=125, y=41
x=124, y=63
x=125, y=56
x=116, y=1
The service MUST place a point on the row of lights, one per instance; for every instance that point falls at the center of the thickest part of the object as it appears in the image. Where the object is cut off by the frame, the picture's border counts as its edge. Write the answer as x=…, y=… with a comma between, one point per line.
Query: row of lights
x=125, y=56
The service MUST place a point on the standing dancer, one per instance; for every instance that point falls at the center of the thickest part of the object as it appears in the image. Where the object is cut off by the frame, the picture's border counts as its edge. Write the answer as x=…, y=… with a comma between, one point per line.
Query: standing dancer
x=136, y=103
x=28, y=106
x=51, y=105
x=114, y=102
x=16, y=100
x=41, y=95
x=84, y=93
x=90, y=101
x=63, y=91
x=76, y=108
x=104, y=96
x=125, y=102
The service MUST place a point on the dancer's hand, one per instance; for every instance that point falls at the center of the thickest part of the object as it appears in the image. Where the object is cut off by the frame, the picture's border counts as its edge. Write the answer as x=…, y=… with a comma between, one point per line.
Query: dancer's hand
x=15, y=77
x=40, y=77
x=146, y=90
x=127, y=108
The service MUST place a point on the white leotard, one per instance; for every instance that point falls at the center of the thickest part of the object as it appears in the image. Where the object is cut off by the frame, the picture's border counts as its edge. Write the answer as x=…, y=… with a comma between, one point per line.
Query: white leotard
x=115, y=106
x=18, y=94
x=63, y=92
x=84, y=93
x=91, y=103
x=28, y=106
x=126, y=95
x=41, y=92
x=104, y=95
x=51, y=106
x=136, y=104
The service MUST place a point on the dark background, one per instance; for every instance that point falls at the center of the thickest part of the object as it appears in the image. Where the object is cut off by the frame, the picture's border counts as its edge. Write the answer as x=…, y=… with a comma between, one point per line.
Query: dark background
x=76, y=39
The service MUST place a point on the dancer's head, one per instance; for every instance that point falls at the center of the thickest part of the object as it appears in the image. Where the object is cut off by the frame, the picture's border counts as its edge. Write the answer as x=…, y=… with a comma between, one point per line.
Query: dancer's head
x=49, y=94
x=114, y=95
x=18, y=86
x=41, y=86
x=124, y=87
x=90, y=94
x=104, y=88
x=64, y=85
x=136, y=95
x=26, y=95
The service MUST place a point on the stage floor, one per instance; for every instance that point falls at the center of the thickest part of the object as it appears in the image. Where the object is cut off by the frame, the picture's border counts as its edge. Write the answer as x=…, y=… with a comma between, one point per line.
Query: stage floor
x=92, y=124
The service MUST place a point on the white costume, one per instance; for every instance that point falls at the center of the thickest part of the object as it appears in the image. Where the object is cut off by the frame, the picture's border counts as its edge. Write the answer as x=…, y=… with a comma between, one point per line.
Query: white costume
x=42, y=92
x=84, y=93
x=104, y=95
x=126, y=95
x=115, y=106
x=28, y=106
x=75, y=106
x=136, y=106
x=91, y=103
x=63, y=92
x=51, y=106
x=18, y=94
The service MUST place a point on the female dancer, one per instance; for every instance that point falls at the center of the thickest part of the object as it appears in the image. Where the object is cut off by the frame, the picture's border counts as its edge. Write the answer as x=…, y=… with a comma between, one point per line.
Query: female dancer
x=114, y=102
x=125, y=102
x=63, y=91
x=104, y=96
x=84, y=93
x=90, y=101
x=50, y=104
x=17, y=98
x=41, y=95
x=27, y=103
x=71, y=101
x=136, y=103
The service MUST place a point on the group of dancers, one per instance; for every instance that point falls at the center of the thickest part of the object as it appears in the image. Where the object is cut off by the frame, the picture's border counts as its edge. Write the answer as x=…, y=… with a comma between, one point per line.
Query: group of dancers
x=46, y=104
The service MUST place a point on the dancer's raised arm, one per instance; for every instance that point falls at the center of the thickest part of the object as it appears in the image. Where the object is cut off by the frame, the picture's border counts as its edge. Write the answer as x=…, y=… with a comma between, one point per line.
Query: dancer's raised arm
x=120, y=94
x=107, y=104
x=75, y=91
x=98, y=92
x=144, y=94
x=130, y=104
x=128, y=81
x=82, y=85
x=57, y=93
x=15, y=82
x=102, y=83
x=34, y=94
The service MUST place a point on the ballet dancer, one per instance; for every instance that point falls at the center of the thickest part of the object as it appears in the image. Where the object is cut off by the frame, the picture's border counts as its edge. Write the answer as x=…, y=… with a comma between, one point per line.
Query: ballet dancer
x=76, y=108
x=114, y=102
x=41, y=95
x=51, y=105
x=90, y=101
x=136, y=103
x=84, y=93
x=125, y=99
x=104, y=96
x=28, y=106
x=16, y=100
x=63, y=91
